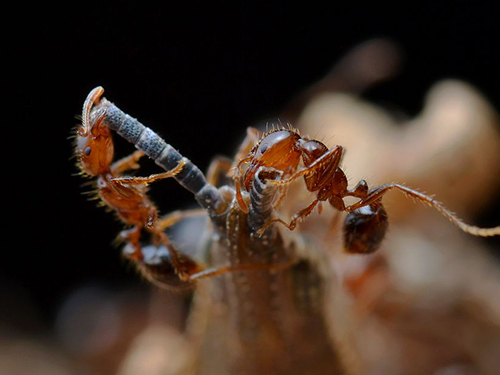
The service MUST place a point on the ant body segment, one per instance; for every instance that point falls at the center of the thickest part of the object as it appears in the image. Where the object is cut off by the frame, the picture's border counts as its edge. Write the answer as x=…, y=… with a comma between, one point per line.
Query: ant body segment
x=365, y=226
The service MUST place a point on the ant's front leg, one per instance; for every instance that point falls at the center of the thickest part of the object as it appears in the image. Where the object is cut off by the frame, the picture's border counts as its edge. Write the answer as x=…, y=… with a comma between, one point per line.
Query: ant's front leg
x=144, y=181
x=174, y=217
x=127, y=163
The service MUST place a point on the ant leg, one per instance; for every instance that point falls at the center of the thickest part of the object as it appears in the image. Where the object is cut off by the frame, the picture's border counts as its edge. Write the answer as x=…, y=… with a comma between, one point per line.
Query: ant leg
x=377, y=193
x=128, y=180
x=127, y=163
x=173, y=218
x=183, y=265
x=157, y=268
x=331, y=157
x=251, y=139
x=302, y=214
x=237, y=185
x=132, y=236
x=218, y=170
x=242, y=267
x=283, y=193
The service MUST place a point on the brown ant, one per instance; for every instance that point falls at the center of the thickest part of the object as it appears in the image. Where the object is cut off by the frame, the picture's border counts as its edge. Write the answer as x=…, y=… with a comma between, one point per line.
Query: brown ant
x=366, y=223
x=125, y=195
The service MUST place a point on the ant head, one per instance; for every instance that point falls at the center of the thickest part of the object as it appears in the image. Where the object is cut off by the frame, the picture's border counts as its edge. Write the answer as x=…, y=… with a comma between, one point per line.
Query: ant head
x=311, y=150
x=276, y=149
x=94, y=145
x=276, y=144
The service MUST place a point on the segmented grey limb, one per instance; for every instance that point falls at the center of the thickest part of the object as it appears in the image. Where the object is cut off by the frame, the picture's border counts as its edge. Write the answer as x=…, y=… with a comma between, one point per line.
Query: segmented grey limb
x=145, y=139
x=262, y=197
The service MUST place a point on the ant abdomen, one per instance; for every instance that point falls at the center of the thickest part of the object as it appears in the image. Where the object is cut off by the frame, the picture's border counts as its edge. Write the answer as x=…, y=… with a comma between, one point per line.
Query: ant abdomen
x=365, y=228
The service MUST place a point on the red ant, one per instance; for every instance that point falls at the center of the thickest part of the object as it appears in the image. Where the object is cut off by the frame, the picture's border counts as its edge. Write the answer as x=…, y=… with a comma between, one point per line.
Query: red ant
x=366, y=224
x=123, y=194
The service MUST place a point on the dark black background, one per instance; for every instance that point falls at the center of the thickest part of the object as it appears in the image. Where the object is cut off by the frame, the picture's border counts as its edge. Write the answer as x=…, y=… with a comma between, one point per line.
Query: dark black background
x=199, y=75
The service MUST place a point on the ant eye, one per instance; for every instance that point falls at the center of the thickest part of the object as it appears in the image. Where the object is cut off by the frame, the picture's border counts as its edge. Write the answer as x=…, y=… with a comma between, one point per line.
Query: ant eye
x=87, y=151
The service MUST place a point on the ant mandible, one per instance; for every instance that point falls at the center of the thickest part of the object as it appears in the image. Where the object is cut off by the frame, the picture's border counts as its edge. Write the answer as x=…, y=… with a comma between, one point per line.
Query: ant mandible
x=366, y=223
x=125, y=195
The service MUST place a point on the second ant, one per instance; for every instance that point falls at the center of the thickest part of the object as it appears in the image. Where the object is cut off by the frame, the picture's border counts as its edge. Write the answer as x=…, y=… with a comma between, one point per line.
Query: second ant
x=366, y=224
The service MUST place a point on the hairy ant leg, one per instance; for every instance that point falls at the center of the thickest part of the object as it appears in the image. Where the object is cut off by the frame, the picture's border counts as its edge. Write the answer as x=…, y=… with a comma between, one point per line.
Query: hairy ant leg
x=243, y=267
x=131, y=180
x=283, y=191
x=156, y=266
x=375, y=194
x=127, y=163
x=251, y=140
x=218, y=171
x=302, y=214
x=174, y=217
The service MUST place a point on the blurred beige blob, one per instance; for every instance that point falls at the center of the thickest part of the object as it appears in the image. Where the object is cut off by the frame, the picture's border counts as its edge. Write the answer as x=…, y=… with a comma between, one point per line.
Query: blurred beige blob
x=30, y=356
x=158, y=350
